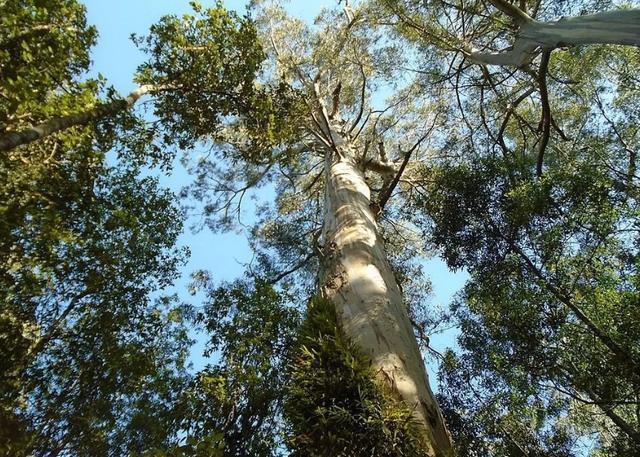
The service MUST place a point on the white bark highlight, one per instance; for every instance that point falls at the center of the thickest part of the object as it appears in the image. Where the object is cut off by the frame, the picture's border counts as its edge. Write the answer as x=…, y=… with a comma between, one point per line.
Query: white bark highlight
x=612, y=27
x=358, y=279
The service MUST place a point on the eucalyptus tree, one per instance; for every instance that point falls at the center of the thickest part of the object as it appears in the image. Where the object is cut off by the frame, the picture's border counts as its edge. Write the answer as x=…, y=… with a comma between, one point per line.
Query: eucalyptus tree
x=351, y=129
x=356, y=129
x=87, y=243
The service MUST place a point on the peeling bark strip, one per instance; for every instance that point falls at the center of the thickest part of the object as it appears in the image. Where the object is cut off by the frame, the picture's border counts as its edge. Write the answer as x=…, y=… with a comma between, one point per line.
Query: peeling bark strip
x=611, y=27
x=12, y=140
x=358, y=279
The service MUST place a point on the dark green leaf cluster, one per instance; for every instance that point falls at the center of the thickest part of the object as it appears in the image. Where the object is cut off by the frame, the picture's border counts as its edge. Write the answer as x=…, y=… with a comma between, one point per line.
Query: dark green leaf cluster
x=204, y=69
x=494, y=420
x=85, y=348
x=92, y=355
x=44, y=44
x=235, y=404
x=333, y=400
x=550, y=328
x=273, y=124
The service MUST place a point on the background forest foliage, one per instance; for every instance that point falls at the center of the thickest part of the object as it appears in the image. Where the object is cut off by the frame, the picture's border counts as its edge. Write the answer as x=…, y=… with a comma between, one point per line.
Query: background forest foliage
x=525, y=177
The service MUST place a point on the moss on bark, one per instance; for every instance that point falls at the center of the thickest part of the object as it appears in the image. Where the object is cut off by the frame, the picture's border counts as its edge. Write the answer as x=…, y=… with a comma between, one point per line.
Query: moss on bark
x=334, y=404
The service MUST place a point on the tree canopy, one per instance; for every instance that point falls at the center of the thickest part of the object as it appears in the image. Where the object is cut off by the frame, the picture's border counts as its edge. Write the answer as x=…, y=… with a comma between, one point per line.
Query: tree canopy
x=500, y=135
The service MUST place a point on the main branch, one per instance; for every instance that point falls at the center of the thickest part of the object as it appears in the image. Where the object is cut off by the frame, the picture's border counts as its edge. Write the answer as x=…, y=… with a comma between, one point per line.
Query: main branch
x=612, y=27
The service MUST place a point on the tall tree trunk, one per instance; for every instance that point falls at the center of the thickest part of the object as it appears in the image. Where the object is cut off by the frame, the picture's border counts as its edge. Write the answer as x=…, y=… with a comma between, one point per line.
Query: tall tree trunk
x=12, y=140
x=358, y=279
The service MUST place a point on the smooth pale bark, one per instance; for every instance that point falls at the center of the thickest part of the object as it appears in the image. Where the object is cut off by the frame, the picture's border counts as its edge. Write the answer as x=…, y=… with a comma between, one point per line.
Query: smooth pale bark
x=612, y=27
x=358, y=279
x=12, y=140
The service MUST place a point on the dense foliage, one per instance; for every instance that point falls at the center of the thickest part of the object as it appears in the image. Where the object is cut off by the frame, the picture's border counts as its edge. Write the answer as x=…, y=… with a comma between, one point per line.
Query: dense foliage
x=545, y=221
x=524, y=177
x=550, y=318
x=239, y=398
x=93, y=353
x=334, y=402
x=43, y=46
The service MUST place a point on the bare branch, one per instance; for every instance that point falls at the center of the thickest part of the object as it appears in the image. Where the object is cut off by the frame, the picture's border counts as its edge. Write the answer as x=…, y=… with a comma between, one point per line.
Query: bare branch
x=546, y=110
x=283, y=274
x=363, y=94
x=510, y=110
x=631, y=171
x=511, y=10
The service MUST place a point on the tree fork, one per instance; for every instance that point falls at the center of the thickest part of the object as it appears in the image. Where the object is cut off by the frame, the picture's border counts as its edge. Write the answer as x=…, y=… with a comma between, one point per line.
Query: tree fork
x=620, y=27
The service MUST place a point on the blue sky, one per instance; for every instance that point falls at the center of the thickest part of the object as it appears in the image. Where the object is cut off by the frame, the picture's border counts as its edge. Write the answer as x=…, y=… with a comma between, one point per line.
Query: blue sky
x=116, y=58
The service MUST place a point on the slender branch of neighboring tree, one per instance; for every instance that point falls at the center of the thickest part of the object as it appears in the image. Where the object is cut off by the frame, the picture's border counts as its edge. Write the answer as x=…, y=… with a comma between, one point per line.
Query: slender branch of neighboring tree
x=237, y=194
x=444, y=42
x=607, y=407
x=616, y=418
x=424, y=338
x=546, y=110
x=631, y=170
x=557, y=128
x=483, y=116
x=510, y=110
x=12, y=140
x=380, y=113
x=512, y=11
x=587, y=401
x=55, y=326
x=283, y=274
x=578, y=312
x=622, y=424
x=461, y=109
